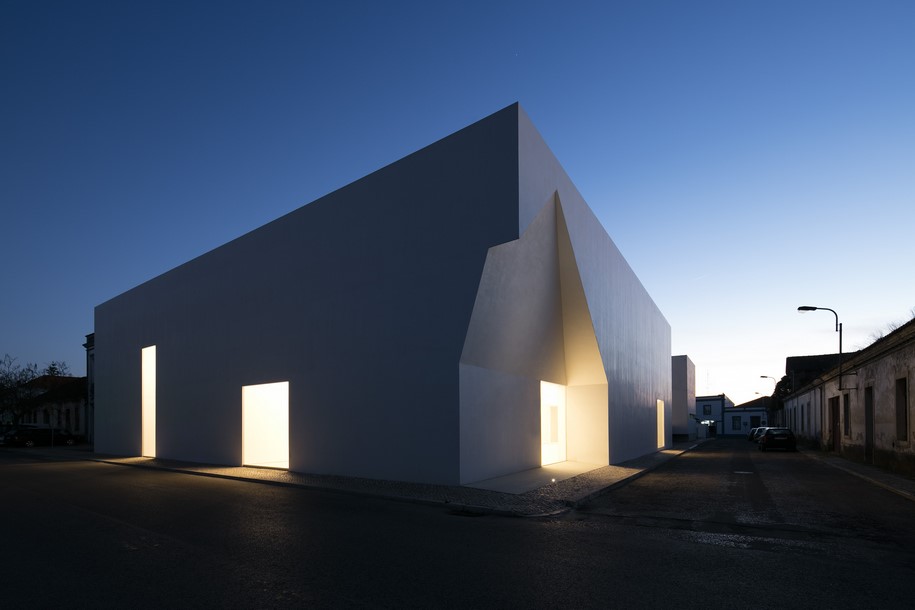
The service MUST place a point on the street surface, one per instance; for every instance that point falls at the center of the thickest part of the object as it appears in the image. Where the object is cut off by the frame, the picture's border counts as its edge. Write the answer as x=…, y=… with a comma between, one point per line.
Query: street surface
x=722, y=526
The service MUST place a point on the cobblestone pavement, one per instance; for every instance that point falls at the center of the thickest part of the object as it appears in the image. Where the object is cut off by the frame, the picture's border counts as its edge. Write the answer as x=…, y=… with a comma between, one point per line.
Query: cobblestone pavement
x=552, y=499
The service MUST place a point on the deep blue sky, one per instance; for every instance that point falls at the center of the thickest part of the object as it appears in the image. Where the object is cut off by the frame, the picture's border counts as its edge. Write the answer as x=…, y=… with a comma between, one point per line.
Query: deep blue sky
x=746, y=156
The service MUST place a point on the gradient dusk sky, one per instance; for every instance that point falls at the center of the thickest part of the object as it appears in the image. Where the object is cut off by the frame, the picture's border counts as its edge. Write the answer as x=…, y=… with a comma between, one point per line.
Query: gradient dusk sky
x=747, y=157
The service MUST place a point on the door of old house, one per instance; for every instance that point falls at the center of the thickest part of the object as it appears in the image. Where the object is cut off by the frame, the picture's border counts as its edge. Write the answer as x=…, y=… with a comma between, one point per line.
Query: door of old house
x=834, y=423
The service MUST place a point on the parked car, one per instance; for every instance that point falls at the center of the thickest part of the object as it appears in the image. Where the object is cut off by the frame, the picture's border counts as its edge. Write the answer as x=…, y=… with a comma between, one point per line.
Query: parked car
x=31, y=437
x=759, y=432
x=751, y=433
x=778, y=438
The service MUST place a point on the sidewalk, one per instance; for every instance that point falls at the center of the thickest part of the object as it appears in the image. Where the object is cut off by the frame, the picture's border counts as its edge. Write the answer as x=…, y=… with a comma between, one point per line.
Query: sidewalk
x=550, y=499
x=898, y=484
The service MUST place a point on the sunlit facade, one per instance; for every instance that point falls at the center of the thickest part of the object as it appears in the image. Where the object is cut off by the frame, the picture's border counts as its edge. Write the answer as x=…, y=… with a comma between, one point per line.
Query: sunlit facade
x=458, y=315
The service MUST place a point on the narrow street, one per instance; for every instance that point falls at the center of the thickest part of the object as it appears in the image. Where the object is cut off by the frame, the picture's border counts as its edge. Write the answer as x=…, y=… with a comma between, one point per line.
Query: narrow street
x=714, y=528
x=731, y=494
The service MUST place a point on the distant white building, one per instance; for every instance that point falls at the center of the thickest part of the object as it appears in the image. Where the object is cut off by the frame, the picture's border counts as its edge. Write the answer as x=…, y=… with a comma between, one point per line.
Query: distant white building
x=683, y=400
x=710, y=412
x=740, y=419
x=458, y=315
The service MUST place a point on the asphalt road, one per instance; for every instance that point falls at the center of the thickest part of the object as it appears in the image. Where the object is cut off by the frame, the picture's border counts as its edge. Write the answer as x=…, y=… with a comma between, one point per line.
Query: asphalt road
x=720, y=527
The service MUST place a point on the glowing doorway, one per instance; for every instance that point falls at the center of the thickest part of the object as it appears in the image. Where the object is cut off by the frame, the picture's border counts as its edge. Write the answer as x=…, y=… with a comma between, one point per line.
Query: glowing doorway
x=662, y=436
x=148, y=401
x=265, y=425
x=552, y=423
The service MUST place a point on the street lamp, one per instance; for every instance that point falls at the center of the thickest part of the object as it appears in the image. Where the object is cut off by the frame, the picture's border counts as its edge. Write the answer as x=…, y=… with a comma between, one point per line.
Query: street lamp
x=770, y=410
x=804, y=308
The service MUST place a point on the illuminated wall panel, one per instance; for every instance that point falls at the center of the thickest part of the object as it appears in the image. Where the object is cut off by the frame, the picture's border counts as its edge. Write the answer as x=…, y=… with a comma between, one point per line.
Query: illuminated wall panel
x=265, y=425
x=148, y=408
x=586, y=424
x=662, y=430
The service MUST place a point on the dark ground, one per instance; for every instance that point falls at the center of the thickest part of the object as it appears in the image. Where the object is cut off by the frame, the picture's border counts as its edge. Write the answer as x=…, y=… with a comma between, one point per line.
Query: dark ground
x=722, y=526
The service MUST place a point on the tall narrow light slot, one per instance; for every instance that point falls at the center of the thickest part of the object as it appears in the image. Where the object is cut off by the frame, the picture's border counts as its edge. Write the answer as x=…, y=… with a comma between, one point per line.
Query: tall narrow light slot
x=661, y=435
x=148, y=408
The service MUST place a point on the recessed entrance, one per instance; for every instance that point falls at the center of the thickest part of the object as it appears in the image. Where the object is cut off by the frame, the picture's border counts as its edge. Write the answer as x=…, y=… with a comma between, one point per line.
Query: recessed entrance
x=265, y=425
x=552, y=423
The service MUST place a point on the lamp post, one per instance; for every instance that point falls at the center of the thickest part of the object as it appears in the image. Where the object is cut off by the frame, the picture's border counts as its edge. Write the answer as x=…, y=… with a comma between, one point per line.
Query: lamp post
x=804, y=308
x=770, y=410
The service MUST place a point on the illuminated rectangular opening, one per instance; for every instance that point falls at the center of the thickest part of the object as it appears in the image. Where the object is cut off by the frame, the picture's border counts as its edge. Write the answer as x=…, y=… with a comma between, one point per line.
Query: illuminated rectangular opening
x=661, y=436
x=148, y=401
x=265, y=425
x=552, y=423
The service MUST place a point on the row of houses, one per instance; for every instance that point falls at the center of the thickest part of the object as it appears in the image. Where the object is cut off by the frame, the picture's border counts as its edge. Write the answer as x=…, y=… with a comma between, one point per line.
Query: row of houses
x=860, y=406
x=56, y=401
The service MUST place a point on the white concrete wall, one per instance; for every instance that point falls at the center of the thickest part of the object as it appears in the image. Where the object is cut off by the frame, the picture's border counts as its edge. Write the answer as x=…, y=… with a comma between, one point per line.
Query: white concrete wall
x=683, y=403
x=531, y=322
x=500, y=423
x=632, y=334
x=362, y=301
x=514, y=341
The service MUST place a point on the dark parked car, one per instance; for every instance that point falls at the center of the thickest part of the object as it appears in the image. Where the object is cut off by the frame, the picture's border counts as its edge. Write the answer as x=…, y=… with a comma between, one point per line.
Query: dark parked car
x=31, y=437
x=777, y=438
x=758, y=432
x=751, y=434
